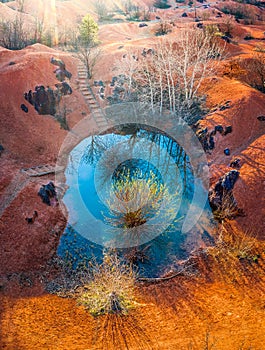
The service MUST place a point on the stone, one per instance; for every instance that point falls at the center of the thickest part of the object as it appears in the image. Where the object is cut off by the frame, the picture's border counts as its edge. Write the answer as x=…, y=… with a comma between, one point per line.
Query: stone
x=227, y=152
x=223, y=187
x=47, y=192
x=24, y=108
x=228, y=130
x=235, y=163
x=219, y=128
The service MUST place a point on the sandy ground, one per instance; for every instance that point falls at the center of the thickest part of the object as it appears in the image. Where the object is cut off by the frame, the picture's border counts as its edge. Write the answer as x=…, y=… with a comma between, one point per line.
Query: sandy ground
x=222, y=303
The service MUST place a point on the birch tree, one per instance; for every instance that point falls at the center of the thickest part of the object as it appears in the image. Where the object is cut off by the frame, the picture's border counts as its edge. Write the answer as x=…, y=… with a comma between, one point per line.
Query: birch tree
x=171, y=76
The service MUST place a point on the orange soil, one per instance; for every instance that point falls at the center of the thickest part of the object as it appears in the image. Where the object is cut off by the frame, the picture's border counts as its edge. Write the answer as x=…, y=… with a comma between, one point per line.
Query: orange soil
x=226, y=299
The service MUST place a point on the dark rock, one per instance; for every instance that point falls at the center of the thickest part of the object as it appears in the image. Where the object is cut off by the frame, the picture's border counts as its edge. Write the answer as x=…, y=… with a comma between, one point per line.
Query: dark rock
x=228, y=181
x=141, y=25
x=235, y=163
x=227, y=152
x=30, y=220
x=261, y=118
x=184, y=14
x=219, y=128
x=11, y=63
x=24, y=108
x=61, y=74
x=228, y=130
x=223, y=187
x=226, y=38
x=211, y=143
x=64, y=88
x=58, y=62
x=47, y=192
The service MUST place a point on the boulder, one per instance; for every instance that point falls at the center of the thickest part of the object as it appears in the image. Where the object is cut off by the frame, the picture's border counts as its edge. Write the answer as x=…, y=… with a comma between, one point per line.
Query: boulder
x=47, y=192
x=223, y=187
x=24, y=108
x=227, y=152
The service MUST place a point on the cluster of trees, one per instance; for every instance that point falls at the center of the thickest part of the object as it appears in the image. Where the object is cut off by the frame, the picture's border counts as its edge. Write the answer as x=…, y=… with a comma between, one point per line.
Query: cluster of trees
x=171, y=77
x=15, y=35
x=241, y=12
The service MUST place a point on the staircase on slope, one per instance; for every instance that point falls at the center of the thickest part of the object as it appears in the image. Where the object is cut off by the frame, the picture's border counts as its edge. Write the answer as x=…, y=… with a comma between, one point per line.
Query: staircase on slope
x=90, y=98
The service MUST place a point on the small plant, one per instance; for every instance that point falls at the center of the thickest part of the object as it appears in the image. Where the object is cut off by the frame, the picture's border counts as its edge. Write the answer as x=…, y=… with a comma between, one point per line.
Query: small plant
x=228, y=208
x=163, y=28
x=138, y=198
x=237, y=245
x=61, y=117
x=111, y=290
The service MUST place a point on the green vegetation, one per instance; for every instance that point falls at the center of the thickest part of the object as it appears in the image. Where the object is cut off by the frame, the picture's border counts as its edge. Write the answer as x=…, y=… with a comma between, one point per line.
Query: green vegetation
x=111, y=290
x=240, y=12
x=88, y=31
x=162, y=4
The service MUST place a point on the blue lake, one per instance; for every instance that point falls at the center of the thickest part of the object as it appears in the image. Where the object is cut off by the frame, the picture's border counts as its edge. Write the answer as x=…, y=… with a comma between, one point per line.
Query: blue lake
x=93, y=168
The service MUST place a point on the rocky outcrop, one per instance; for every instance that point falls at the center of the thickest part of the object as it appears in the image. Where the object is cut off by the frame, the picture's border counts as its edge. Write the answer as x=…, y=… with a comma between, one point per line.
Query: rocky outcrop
x=60, y=72
x=206, y=137
x=221, y=196
x=48, y=193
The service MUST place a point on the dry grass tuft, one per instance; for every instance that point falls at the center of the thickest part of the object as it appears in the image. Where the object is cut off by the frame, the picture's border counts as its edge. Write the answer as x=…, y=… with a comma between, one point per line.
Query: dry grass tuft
x=111, y=290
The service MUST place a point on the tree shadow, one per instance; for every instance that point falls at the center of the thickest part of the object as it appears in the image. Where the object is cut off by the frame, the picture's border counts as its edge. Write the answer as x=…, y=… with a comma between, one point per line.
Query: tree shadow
x=121, y=332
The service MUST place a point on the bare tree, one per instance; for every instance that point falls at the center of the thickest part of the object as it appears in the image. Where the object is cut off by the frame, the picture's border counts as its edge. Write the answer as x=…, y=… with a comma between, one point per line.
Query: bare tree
x=171, y=75
x=128, y=64
x=101, y=9
x=13, y=36
x=89, y=56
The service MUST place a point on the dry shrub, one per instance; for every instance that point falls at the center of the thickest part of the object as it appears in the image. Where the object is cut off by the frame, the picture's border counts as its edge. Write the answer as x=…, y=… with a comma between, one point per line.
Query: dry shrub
x=235, y=245
x=111, y=289
x=228, y=209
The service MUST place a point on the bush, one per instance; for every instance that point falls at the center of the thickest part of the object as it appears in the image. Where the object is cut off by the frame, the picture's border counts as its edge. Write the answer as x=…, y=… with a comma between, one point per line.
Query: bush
x=163, y=28
x=111, y=290
x=161, y=4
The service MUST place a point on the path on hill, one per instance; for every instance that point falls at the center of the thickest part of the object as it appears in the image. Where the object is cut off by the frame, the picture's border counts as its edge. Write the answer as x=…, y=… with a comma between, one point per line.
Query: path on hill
x=93, y=105
x=21, y=179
